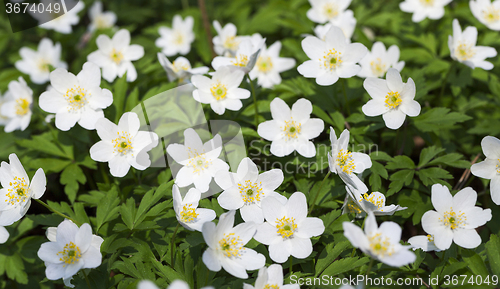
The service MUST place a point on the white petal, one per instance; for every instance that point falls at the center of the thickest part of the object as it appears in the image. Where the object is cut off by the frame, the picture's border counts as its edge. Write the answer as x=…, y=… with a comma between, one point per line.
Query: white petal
x=394, y=118
x=394, y=81
x=441, y=198
x=310, y=227
x=38, y=184
x=280, y=252
x=469, y=239
x=491, y=147
x=119, y=166
x=301, y=248
x=374, y=108
x=485, y=169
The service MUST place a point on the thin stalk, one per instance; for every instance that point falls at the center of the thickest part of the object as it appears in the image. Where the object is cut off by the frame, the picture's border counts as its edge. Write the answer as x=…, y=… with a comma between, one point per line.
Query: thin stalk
x=291, y=264
x=86, y=278
x=452, y=65
x=369, y=267
x=345, y=97
x=55, y=211
x=172, y=243
x=319, y=190
x=254, y=102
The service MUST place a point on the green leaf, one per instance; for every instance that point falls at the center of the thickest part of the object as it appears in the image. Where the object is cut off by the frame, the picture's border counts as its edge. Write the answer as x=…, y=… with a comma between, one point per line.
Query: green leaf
x=427, y=154
x=43, y=143
x=439, y=118
x=398, y=179
x=127, y=211
x=119, y=91
x=430, y=176
x=70, y=177
x=329, y=254
x=345, y=265
x=475, y=263
x=400, y=162
x=108, y=208
x=493, y=253
x=323, y=115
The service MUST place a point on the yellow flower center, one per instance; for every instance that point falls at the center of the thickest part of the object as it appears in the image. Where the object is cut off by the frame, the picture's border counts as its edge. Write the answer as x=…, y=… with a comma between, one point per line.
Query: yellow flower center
x=291, y=129
x=240, y=60
x=491, y=14
x=76, y=98
x=378, y=67
x=345, y=161
x=380, y=246
x=178, y=38
x=286, y=227
x=179, y=66
x=269, y=286
x=393, y=99
x=18, y=192
x=116, y=56
x=465, y=51
x=101, y=23
x=430, y=238
x=427, y=3
x=331, y=59
x=219, y=91
x=123, y=143
x=264, y=64
x=452, y=220
x=22, y=106
x=231, y=43
x=43, y=65
x=197, y=161
x=70, y=254
x=250, y=192
x=372, y=198
x=353, y=208
x=188, y=214
x=498, y=166
x=231, y=245
x=330, y=10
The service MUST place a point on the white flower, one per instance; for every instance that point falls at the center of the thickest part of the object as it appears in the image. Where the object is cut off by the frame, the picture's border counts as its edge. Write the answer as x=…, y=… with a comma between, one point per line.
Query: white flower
x=490, y=167
x=327, y=10
x=37, y=63
x=270, y=278
x=332, y=58
x=360, y=204
x=4, y=99
x=180, y=68
x=17, y=191
x=345, y=21
x=17, y=105
x=60, y=22
x=187, y=212
x=100, y=19
x=269, y=65
x=246, y=189
x=379, y=60
x=226, y=247
x=288, y=230
x=244, y=58
x=345, y=163
x=463, y=48
x=72, y=249
x=487, y=12
x=291, y=129
x=391, y=98
x=426, y=243
x=222, y=90
x=381, y=243
x=226, y=42
x=421, y=9
x=4, y=235
x=123, y=145
x=199, y=161
x=178, y=39
x=455, y=218
x=177, y=284
x=76, y=98
x=115, y=56
x=51, y=234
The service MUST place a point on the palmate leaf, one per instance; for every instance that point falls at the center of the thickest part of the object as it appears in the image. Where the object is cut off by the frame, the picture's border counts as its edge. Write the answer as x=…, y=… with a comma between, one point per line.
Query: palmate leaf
x=439, y=118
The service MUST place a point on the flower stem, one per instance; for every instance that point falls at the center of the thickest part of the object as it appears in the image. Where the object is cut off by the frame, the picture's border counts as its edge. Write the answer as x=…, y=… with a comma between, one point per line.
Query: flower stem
x=86, y=278
x=291, y=264
x=55, y=211
x=445, y=78
x=254, y=102
x=369, y=267
x=172, y=244
x=345, y=97
x=319, y=190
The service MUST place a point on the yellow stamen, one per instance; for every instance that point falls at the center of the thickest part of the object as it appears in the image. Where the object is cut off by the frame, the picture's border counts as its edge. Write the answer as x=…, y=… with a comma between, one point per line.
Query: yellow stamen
x=19, y=191
x=372, y=198
x=269, y=286
x=116, y=56
x=331, y=59
x=378, y=67
x=292, y=129
x=231, y=245
x=22, y=106
x=197, y=161
x=123, y=143
x=379, y=246
x=427, y=3
x=240, y=60
x=70, y=254
x=76, y=98
x=219, y=91
x=264, y=64
x=188, y=214
x=393, y=99
x=330, y=10
x=345, y=161
x=453, y=220
x=251, y=192
x=465, y=51
x=286, y=227
x=491, y=14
